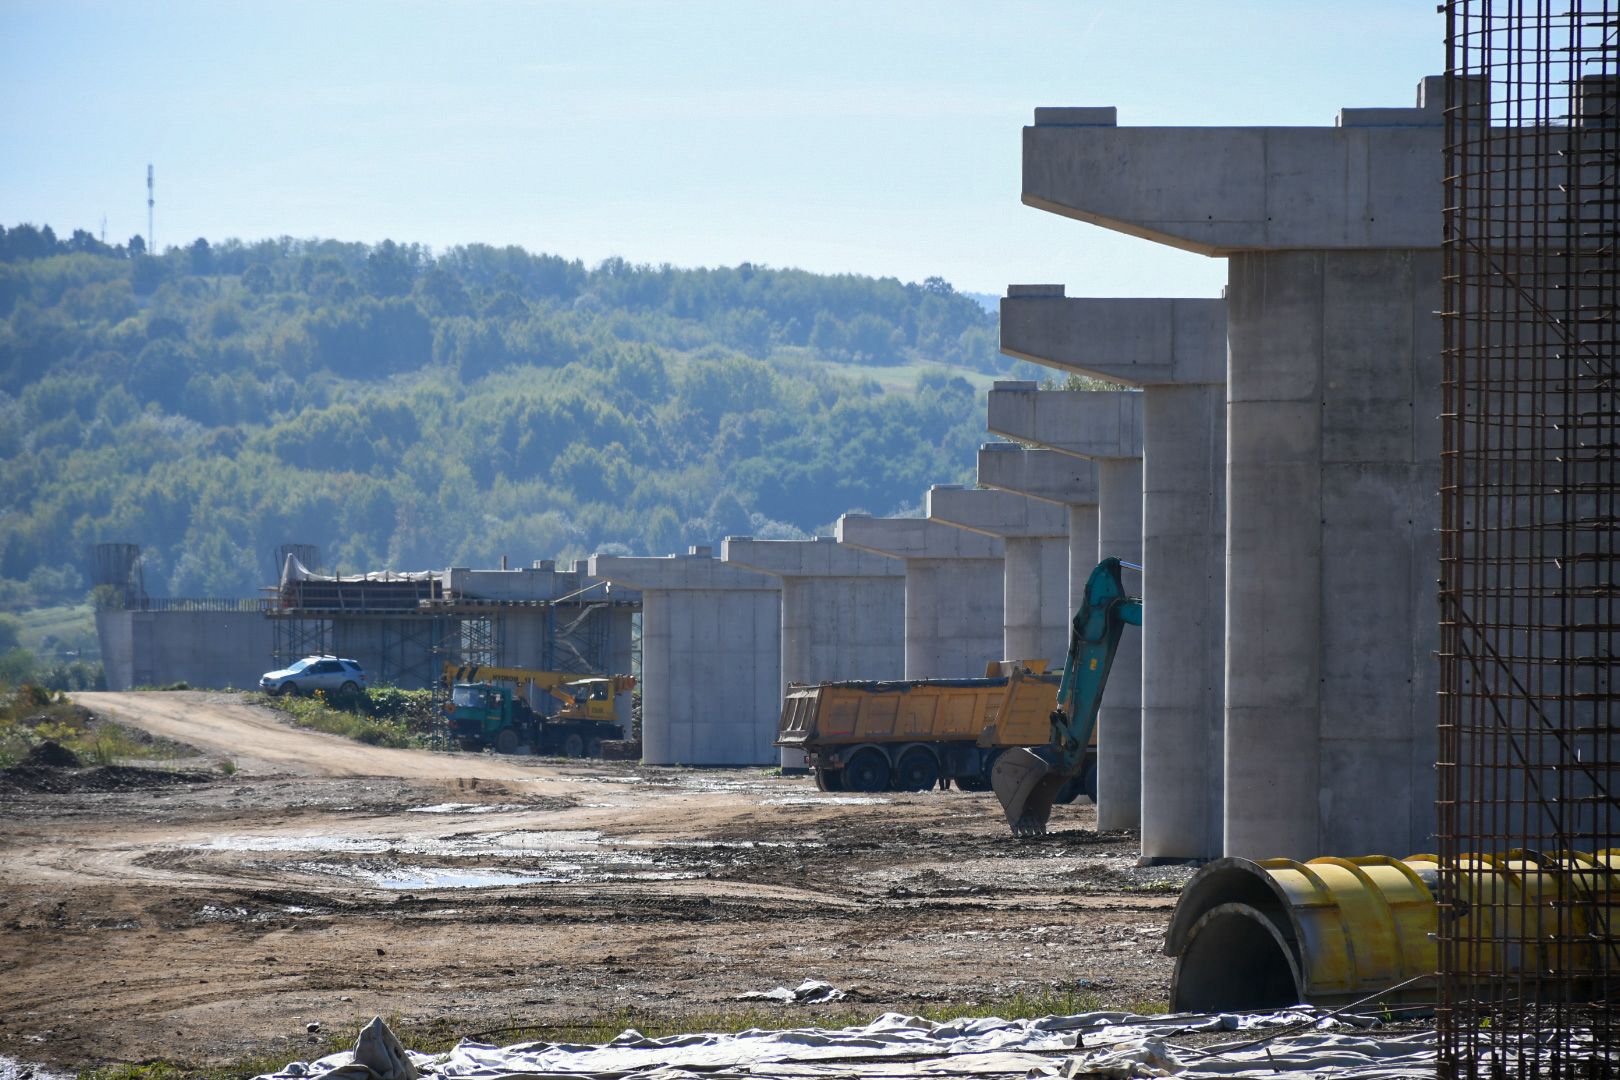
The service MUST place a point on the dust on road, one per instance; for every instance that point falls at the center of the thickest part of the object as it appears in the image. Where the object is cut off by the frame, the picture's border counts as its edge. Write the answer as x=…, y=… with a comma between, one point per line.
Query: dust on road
x=325, y=880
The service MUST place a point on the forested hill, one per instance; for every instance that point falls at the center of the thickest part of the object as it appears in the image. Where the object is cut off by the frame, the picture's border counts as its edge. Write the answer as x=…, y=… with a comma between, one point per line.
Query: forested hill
x=406, y=409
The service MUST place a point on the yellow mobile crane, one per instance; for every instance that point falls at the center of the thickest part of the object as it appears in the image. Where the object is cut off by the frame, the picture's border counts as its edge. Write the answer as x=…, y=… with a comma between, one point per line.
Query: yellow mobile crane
x=484, y=712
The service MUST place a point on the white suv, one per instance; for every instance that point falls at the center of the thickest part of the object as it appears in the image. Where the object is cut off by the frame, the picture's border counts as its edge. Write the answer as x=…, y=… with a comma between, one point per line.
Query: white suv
x=333, y=675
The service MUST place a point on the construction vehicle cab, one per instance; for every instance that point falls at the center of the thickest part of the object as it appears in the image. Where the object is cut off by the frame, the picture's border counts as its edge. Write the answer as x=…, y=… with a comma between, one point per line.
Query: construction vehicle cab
x=484, y=714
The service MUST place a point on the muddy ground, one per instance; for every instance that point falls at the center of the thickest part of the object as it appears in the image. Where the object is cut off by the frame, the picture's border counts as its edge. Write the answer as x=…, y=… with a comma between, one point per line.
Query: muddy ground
x=201, y=916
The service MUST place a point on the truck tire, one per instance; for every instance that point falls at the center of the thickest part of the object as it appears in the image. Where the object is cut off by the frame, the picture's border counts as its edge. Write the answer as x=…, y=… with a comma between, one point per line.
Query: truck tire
x=979, y=781
x=506, y=742
x=829, y=779
x=868, y=770
x=917, y=770
x=593, y=748
x=573, y=745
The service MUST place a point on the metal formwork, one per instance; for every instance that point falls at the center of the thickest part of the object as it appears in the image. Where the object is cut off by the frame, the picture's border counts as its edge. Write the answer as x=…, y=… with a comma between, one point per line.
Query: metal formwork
x=1528, y=755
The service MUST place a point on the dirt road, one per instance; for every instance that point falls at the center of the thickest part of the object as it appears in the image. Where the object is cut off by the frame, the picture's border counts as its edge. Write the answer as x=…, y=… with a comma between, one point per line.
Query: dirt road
x=259, y=740
x=205, y=919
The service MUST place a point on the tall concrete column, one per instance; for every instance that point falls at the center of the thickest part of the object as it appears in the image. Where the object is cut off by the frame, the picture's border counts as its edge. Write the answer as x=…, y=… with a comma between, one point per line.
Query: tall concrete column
x=1065, y=481
x=953, y=591
x=1332, y=444
x=1106, y=427
x=711, y=686
x=1035, y=578
x=1175, y=351
x=843, y=610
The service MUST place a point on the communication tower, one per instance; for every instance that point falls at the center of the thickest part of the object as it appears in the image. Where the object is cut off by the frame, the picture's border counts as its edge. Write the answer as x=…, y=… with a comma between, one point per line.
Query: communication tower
x=150, y=201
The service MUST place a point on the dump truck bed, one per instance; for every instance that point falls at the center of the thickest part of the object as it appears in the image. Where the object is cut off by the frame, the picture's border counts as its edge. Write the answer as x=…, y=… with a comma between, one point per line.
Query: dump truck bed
x=1009, y=710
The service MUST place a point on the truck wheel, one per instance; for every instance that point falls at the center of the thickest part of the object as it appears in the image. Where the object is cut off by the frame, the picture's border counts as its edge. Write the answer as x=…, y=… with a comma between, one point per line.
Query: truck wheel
x=593, y=748
x=918, y=770
x=867, y=771
x=574, y=745
x=988, y=769
x=506, y=742
x=829, y=779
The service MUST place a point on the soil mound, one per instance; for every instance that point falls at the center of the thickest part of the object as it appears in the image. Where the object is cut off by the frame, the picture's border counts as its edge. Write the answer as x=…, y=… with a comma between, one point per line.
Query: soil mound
x=52, y=754
x=50, y=780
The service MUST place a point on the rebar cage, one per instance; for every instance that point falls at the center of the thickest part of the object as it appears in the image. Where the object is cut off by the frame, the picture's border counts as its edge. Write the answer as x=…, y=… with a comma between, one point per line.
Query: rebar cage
x=1529, y=958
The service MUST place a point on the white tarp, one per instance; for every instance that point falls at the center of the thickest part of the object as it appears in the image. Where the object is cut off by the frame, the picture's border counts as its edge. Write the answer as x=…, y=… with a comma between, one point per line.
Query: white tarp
x=294, y=570
x=899, y=1047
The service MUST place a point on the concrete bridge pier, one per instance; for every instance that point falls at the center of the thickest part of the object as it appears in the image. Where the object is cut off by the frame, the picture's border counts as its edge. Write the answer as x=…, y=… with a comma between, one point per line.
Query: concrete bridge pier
x=1105, y=427
x=1065, y=481
x=843, y=610
x=711, y=656
x=1332, y=237
x=1035, y=581
x=1174, y=351
x=953, y=622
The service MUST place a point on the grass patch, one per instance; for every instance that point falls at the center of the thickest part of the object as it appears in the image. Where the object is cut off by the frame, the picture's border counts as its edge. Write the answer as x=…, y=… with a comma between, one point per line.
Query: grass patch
x=30, y=715
x=440, y=1035
x=385, y=717
x=73, y=625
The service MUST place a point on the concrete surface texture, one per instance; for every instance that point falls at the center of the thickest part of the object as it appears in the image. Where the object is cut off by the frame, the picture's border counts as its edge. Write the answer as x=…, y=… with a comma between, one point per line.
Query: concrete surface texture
x=710, y=658
x=1332, y=445
x=843, y=610
x=1106, y=427
x=206, y=649
x=953, y=608
x=1035, y=571
x=1175, y=351
x=1068, y=481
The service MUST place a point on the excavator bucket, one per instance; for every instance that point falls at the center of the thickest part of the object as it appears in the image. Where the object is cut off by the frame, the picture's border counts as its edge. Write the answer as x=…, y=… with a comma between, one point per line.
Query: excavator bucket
x=1027, y=783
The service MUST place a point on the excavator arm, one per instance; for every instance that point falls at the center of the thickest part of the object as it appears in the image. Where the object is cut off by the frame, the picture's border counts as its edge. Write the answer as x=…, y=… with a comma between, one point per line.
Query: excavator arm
x=1026, y=780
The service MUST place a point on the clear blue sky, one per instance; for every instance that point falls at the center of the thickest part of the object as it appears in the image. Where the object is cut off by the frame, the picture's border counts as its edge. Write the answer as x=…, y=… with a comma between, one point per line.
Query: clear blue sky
x=874, y=137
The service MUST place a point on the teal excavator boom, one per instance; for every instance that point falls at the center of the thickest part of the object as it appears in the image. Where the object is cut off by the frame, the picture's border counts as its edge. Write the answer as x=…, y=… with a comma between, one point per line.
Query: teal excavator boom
x=1026, y=780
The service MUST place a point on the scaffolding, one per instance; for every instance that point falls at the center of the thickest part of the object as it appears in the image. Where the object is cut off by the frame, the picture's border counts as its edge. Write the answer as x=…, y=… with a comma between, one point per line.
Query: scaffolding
x=116, y=573
x=406, y=628
x=1528, y=951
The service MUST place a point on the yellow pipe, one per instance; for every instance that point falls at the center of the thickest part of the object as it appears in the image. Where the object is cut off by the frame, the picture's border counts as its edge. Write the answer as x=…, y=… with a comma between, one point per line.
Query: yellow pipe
x=1252, y=935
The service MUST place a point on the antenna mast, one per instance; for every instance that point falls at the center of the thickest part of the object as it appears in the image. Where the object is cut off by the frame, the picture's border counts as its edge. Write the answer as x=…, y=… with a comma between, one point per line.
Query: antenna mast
x=150, y=249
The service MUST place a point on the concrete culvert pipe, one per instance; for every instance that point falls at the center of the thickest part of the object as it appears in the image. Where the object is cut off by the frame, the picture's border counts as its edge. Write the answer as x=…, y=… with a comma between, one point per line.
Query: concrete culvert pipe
x=1259, y=935
x=1251, y=935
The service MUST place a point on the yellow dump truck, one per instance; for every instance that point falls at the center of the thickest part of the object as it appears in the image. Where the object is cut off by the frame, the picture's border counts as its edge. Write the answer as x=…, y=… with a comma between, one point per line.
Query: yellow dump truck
x=912, y=735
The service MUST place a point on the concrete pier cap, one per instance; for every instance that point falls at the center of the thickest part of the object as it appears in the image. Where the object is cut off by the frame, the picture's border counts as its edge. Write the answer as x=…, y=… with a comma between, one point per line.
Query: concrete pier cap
x=1081, y=423
x=995, y=513
x=953, y=591
x=711, y=657
x=1040, y=474
x=914, y=538
x=1139, y=342
x=820, y=556
x=1370, y=181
